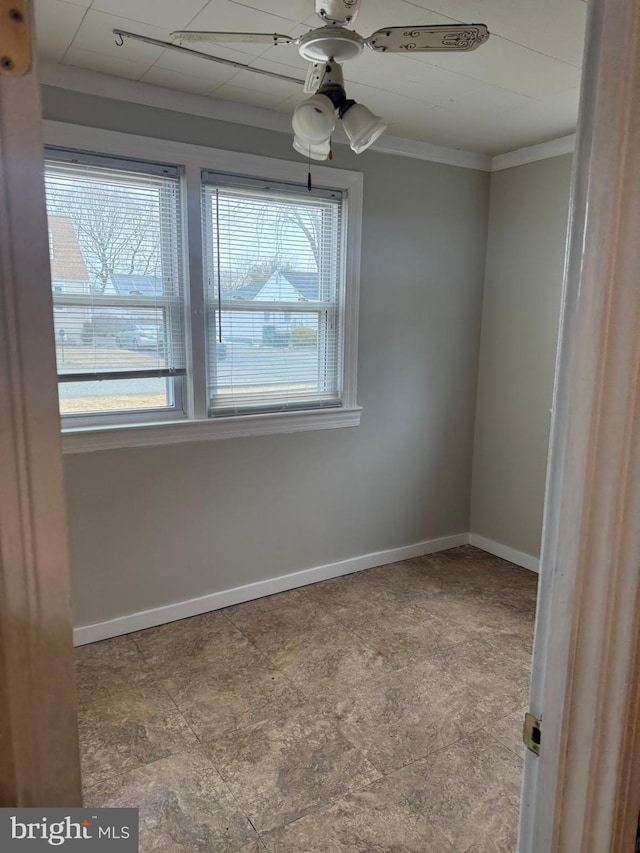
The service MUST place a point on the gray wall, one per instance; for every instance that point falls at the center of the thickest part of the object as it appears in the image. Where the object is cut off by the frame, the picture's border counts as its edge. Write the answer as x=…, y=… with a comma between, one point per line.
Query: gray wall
x=157, y=525
x=523, y=283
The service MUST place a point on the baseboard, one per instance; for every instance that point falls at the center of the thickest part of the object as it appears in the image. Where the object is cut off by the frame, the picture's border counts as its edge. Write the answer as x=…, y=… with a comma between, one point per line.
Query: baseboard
x=227, y=597
x=507, y=553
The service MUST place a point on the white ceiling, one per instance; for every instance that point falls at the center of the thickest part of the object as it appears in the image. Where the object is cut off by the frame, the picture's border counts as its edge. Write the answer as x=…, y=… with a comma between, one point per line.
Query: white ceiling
x=518, y=89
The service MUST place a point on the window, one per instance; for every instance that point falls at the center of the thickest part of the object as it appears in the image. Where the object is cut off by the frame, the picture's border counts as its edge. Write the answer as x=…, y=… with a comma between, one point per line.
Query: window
x=273, y=260
x=194, y=302
x=117, y=286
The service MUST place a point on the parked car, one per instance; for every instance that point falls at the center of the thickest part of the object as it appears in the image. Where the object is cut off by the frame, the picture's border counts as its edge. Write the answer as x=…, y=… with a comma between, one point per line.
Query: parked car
x=141, y=336
x=105, y=325
x=113, y=326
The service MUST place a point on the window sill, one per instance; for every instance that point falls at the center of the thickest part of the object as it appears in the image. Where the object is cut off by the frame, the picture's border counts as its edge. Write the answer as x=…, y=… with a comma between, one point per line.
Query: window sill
x=85, y=440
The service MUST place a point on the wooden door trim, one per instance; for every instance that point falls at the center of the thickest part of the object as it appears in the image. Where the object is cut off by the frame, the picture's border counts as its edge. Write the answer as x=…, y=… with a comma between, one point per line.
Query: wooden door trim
x=39, y=764
x=582, y=794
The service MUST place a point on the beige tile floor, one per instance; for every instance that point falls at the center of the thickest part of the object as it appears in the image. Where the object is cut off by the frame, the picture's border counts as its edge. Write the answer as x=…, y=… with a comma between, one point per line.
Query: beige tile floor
x=380, y=711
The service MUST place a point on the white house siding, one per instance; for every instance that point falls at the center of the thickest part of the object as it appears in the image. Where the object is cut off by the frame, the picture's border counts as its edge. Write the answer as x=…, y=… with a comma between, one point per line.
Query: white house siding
x=249, y=326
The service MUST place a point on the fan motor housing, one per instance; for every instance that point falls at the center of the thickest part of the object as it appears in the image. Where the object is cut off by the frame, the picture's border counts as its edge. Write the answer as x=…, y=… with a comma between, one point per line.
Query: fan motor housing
x=331, y=43
x=337, y=11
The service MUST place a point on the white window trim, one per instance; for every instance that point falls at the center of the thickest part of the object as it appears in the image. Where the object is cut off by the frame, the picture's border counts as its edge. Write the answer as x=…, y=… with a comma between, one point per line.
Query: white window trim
x=197, y=425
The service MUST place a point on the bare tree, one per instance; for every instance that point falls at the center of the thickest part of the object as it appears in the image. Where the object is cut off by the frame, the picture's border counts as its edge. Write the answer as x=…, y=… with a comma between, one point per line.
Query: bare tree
x=308, y=221
x=118, y=232
x=287, y=222
x=277, y=226
x=249, y=268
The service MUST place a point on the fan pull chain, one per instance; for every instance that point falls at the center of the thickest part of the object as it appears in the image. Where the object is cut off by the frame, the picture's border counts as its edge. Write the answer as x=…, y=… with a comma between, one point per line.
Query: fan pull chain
x=309, y=187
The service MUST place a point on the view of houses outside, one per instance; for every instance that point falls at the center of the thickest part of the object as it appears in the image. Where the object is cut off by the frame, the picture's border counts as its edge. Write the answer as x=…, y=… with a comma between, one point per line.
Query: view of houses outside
x=270, y=285
x=272, y=266
x=105, y=244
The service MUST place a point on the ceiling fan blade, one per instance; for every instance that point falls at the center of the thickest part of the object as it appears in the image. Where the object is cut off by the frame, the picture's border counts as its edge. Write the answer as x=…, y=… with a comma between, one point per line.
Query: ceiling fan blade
x=438, y=38
x=199, y=54
x=247, y=38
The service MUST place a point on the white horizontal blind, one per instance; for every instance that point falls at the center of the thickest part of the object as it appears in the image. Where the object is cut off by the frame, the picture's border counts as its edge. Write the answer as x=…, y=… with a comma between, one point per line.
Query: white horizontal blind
x=116, y=246
x=275, y=289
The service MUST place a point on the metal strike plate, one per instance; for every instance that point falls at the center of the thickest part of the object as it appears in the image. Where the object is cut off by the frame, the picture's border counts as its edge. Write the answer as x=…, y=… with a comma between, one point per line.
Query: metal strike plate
x=532, y=733
x=15, y=38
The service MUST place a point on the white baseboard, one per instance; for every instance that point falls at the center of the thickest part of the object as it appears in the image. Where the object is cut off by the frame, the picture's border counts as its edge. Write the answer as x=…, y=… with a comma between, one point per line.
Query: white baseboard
x=507, y=553
x=227, y=597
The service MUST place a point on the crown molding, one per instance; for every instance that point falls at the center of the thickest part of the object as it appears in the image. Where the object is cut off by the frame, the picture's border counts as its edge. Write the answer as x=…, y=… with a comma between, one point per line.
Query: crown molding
x=401, y=147
x=90, y=82
x=121, y=89
x=543, y=151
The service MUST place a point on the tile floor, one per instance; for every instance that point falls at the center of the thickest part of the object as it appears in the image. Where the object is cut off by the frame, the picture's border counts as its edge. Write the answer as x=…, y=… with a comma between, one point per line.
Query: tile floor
x=380, y=711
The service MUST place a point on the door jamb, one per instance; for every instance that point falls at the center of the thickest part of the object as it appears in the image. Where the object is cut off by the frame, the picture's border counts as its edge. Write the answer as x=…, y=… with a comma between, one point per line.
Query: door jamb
x=583, y=793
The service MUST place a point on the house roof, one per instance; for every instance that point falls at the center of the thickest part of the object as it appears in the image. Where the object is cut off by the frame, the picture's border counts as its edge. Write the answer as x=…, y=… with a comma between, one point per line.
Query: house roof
x=145, y=285
x=306, y=283
x=249, y=291
x=67, y=263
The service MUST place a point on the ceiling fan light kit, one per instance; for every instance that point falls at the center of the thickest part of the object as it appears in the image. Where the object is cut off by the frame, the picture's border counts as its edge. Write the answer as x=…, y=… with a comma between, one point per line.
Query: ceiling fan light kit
x=328, y=46
x=321, y=151
x=361, y=126
x=314, y=120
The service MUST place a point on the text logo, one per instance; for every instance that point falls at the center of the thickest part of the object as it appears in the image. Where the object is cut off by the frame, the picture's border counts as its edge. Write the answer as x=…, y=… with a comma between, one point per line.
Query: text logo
x=35, y=830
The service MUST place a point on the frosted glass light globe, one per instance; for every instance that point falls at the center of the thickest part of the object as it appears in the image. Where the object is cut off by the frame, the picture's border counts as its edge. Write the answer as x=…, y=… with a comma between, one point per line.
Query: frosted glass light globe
x=315, y=152
x=362, y=127
x=314, y=120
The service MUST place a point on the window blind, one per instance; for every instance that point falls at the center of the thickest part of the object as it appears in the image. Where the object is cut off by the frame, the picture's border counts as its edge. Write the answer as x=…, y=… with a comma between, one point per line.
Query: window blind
x=273, y=258
x=115, y=247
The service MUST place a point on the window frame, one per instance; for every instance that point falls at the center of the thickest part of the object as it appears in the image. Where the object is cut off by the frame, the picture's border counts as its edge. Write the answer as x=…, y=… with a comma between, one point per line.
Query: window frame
x=109, y=431
x=326, y=310
x=172, y=305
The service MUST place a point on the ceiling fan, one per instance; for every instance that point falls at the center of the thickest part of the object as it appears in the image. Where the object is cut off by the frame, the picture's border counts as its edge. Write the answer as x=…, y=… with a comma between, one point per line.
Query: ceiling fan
x=326, y=48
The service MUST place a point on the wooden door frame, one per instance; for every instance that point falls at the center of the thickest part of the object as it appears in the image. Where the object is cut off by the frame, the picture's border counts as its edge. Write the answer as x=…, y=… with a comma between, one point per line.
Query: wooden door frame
x=583, y=793
x=39, y=762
